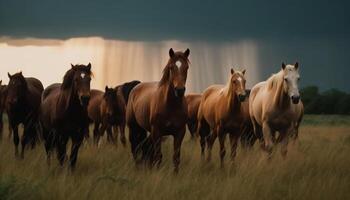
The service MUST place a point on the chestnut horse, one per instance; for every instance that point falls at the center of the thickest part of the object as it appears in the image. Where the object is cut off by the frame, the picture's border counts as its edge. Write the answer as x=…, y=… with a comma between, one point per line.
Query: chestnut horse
x=160, y=108
x=104, y=111
x=22, y=106
x=64, y=113
x=222, y=110
x=193, y=101
x=275, y=106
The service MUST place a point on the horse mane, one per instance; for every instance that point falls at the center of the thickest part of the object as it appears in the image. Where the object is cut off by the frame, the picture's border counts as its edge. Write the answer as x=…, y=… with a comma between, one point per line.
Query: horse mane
x=275, y=84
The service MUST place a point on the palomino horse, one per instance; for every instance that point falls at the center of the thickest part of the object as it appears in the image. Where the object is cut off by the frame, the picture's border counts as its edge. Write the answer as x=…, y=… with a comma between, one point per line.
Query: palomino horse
x=64, y=113
x=104, y=111
x=193, y=101
x=275, y=106
x=22, y=105
x=222, y=110
x=160, y=108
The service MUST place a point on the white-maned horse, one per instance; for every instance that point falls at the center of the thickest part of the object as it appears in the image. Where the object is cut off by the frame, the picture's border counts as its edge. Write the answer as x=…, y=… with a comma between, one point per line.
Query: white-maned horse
x=275, y=106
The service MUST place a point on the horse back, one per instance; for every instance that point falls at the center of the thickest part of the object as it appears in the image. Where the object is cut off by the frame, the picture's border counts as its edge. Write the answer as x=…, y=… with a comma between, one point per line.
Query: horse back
x=193, y=101
x=94, y=112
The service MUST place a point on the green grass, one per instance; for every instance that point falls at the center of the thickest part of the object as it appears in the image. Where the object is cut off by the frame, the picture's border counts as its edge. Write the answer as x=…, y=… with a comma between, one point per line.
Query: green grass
x=317, y=167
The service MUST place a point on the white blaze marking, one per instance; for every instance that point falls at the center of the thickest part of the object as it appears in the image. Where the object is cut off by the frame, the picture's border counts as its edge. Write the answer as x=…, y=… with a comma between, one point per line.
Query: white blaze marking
x=178, y=63
x=82, y=75
x=239, y=79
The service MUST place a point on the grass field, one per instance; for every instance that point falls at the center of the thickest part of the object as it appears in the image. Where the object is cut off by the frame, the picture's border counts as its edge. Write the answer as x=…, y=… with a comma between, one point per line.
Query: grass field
x=317, y=167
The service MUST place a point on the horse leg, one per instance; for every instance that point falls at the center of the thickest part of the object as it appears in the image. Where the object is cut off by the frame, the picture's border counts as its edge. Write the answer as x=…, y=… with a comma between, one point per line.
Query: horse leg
x=49, y=137
x=222, y=136
x=192, y=128
x=102, y=131
x=178, y=137
x=210, y=141
x=96, y=133
x=122, y=133
x=137, y=136
x=110, y=137
x=15, y=138
x=233, y=142
x=203, y=131
x=76, y=143
x=27, y=136
x=61, y=148
x=268, y=141
x=156, y=151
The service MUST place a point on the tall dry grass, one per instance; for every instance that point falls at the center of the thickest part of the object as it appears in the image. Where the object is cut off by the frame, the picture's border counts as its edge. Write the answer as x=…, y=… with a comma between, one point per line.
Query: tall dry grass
x=317, y=167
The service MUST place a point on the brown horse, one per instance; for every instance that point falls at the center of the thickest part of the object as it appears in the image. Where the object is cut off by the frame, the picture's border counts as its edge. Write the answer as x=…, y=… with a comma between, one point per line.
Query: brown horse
x=64, y=113
x=275, y=106
x=160, y=108
x=193, y=101
x=22, y=106
x=222, y=110
x=104, y=111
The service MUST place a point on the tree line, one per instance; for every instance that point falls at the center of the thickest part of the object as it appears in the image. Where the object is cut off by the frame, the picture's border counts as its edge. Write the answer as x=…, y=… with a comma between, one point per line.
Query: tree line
x=332, y=101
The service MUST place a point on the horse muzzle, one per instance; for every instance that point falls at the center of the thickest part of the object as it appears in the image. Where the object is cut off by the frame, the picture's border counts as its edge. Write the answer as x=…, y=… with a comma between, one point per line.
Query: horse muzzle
x=241, y=97
x=180, y=92
x=295, y=99
x=84, y=100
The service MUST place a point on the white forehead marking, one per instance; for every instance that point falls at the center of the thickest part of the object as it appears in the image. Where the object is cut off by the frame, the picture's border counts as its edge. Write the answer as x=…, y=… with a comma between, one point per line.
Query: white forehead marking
x=178, y=63
x=83, y=75
x=239, y=79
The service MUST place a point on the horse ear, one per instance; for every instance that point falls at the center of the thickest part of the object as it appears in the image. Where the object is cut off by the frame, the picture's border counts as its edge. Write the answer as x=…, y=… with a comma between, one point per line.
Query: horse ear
x=89, y=66
x=232, y=71
x=171, y=53
x=283, y=65
x=243, y=71
x=9, y=75
x=106, y=88
x=187, y=52
x=296, y=66
x=20, y=73
x=0, y=82
x=72, y=65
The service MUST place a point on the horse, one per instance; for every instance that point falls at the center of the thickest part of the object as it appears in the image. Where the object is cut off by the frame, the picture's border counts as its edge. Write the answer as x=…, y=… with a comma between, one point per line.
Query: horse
x=122, y=92
x=275, y=106
x=159, y=108
x=22, y=106
x=193, y=101
x=3, y=91
x=104, y=111
x=222, y=109
x=64, y=115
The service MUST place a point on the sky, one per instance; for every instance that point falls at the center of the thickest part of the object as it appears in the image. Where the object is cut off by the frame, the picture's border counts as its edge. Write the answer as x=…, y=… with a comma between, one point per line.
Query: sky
x=315, y=33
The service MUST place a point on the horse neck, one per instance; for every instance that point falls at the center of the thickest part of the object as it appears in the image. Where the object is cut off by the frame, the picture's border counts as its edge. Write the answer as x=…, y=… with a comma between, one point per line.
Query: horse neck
x=67, y=98
x=232, y=101
x=281, y=97
x=166, y=90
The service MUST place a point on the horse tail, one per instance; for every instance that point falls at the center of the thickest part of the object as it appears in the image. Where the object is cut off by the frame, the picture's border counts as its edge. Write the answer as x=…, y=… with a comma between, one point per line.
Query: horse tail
x=126, y=89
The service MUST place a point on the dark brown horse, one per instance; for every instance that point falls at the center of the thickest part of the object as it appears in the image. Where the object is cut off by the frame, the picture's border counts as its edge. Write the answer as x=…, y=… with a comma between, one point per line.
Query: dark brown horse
x=160, y=108
x=22, y=106
x=104, y=111
x=123, y=92
x=3, y=91
x=64, y=113
x=193, y=101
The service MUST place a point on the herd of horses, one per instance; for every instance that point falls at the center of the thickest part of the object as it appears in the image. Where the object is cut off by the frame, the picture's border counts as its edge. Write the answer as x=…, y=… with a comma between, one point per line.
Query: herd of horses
x=270, y=112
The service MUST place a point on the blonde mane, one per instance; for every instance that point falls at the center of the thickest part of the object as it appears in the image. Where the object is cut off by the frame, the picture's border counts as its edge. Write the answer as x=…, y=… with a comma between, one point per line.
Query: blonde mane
x=275, y=84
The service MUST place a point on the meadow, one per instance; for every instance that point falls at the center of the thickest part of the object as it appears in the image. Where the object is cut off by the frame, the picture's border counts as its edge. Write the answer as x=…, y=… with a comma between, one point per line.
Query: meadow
x=317, y=167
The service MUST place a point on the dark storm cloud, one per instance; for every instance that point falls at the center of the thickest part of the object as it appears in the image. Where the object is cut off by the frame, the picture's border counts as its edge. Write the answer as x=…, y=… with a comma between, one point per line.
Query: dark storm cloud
x=176, y=19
